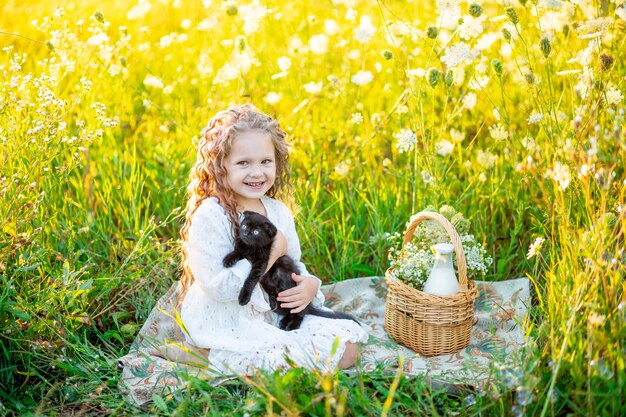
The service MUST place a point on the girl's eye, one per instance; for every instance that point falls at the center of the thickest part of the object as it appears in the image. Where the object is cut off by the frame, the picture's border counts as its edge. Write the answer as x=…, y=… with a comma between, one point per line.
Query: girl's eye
x=267, y=161
x=243, y=163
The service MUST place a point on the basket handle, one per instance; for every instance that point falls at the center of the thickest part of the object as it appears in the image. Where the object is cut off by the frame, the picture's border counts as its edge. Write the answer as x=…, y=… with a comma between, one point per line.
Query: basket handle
x=456, y=241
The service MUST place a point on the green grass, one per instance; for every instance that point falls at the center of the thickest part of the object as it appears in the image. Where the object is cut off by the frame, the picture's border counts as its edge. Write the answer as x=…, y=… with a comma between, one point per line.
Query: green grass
x=94, y=163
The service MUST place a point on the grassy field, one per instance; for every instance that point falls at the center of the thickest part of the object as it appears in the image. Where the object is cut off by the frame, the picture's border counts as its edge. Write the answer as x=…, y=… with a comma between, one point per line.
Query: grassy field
x=513, y=112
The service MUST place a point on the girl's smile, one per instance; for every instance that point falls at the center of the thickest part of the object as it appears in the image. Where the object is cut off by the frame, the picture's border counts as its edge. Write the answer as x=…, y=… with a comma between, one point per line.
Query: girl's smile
x=251, y=168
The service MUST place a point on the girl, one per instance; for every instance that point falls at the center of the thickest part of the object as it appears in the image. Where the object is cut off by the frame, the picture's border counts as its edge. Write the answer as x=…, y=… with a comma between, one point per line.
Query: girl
x=242, y=165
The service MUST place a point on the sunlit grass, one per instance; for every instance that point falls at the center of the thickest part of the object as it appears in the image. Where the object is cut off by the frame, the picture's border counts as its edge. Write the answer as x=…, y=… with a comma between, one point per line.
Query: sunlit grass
x=518, y=119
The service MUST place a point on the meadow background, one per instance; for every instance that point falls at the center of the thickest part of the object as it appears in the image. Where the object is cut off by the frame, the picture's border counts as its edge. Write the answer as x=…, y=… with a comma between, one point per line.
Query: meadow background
x=512, y=112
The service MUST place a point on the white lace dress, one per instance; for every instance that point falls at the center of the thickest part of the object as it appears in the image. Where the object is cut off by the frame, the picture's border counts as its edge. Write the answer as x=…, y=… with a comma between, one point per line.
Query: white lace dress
x=244, y=338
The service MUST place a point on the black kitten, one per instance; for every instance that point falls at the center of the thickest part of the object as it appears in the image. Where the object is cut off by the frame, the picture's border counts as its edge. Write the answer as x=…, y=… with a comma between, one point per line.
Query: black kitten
x=254, y=242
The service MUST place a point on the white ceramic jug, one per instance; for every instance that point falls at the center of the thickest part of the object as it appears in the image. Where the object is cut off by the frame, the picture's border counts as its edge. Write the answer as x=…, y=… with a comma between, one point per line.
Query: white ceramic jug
x=442, y=279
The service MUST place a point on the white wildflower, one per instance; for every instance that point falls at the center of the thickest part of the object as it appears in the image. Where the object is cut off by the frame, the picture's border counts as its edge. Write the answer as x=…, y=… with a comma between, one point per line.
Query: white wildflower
x=457, y=135
x=365, y=31
x=406, y=140
x=471, y=27
x=621, y=12
x=185, y=24
x=284, y=63
x=457, y=54
x=498, y=132
x=272, y=97
x=98, y=39
x=362, y=77
x=138, y=11
x=152, y=81
x=331, y=27
x=560, y=174
x=444, y=147
x=342, y=169
x=534, y=247
x=313, y=87
x=357, y=118
x=528, y=143
x=478, y=82
x=614, y=96
x=469, y=101
x=535, y=118
x=318, y=44
x=486, y=159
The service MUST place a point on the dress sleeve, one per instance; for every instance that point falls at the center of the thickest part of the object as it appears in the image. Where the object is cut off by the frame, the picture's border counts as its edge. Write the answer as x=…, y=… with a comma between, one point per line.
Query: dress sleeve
x=295, y=252
x=210, y=240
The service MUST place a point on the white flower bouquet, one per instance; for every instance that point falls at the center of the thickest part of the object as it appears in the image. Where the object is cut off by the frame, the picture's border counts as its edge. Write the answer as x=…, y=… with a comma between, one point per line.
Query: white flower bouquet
x=412, y=263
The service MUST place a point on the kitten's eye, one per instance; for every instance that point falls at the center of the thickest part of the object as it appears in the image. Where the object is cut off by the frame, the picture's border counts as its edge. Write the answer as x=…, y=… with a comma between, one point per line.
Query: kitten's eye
x=256, y=232
x=244, y=227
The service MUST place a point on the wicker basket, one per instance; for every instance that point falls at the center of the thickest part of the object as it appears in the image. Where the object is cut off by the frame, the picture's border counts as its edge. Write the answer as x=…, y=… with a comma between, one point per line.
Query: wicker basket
x=426, y=323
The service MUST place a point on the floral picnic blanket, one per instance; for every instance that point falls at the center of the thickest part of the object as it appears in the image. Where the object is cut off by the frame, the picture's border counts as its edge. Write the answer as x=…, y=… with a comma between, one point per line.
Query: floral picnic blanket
x=500, y=310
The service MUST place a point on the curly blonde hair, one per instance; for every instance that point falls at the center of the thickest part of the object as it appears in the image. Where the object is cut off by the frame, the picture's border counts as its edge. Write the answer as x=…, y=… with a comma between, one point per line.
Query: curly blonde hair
x=207, y=177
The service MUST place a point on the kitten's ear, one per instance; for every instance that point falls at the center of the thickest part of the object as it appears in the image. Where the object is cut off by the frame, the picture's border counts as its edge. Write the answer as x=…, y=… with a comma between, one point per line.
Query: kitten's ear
x=270, y=229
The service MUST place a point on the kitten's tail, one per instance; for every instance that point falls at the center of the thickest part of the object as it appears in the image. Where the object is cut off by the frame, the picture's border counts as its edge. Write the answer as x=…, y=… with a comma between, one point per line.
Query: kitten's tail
x=332, y=314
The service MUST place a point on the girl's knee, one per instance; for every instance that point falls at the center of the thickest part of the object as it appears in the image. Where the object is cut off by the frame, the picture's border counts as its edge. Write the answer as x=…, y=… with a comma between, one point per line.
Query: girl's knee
x=349, y=356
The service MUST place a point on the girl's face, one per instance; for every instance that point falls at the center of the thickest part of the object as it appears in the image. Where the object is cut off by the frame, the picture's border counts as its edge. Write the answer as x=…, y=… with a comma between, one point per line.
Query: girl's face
x=251, y=167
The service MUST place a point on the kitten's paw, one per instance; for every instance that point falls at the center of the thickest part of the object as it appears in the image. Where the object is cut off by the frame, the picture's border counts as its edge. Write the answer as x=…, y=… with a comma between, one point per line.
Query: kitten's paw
x=244, y=297
x=230, y=260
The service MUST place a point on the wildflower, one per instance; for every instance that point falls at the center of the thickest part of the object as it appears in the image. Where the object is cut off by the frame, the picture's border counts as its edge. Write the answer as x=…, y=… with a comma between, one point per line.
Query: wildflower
x=342, y=169
x=456, y=54
x=457, y=136
x=432, y=32
x=545, y=46
x=272, y=97
x=319, y=44
x=152, y=81
x=460, y=223
x=535, y=118
x=497, y=66
x=365, y=31
x=486, y=159
x=331, y=27
x=596, y=319
x=313, y=87
x=448, y=8
x=475, y=10
x=469, y=101
x=284, y=63
x=621, y=12
x=444, y=147
x=528, y=142
x=614, y=96
x=433, y=76
x=426, y=176
x=138, y=11
x=252, y=14
x=357, y=118
x=406, y=140
x=471, y=27
x=362, y=77
x=478, y=82
x=560, y=174
x=534, y=247
x=447, y=211
x=498, y=132
x=512, y=15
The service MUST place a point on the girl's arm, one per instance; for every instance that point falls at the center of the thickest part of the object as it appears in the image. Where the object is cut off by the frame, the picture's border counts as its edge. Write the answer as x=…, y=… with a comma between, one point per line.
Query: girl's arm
x=209, y=242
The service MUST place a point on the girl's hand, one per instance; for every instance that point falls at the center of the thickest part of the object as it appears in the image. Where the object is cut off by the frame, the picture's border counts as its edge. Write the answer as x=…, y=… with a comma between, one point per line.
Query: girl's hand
x=298, y=297
x=279, y=248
